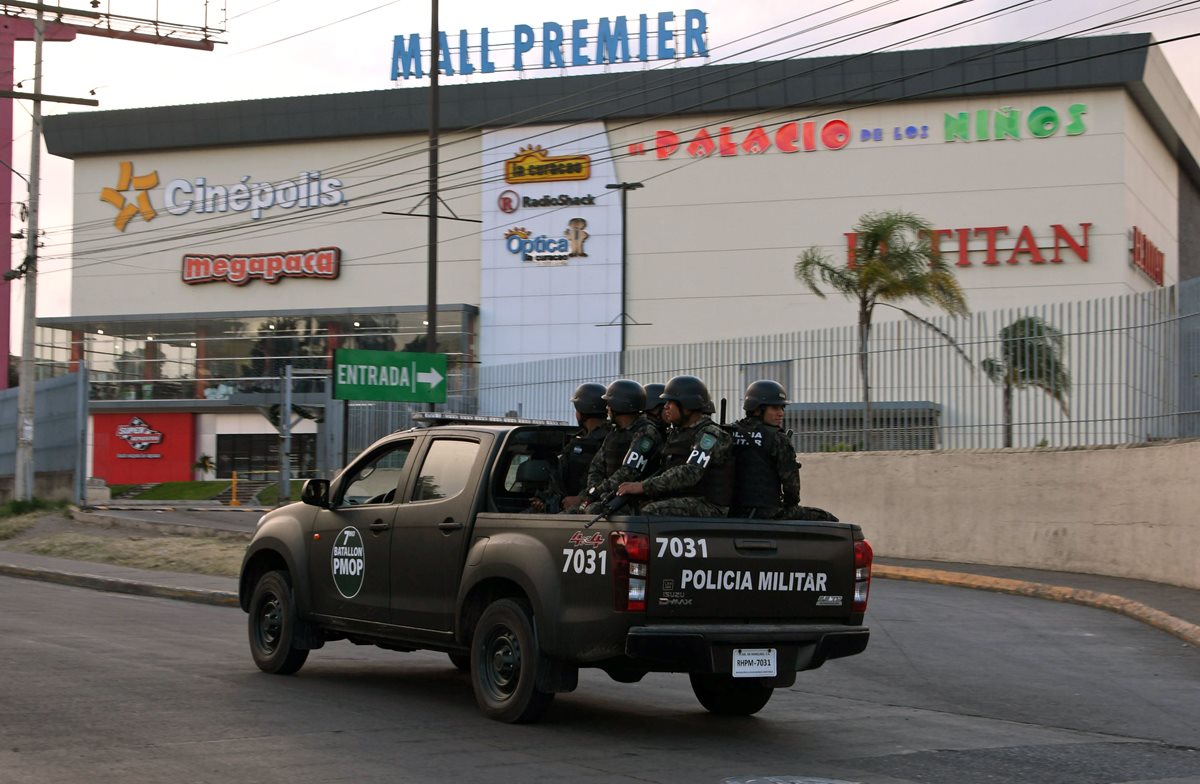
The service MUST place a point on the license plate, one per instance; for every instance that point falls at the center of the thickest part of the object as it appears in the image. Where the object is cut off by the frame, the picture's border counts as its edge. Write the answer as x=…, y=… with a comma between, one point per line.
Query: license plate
x=754, y=663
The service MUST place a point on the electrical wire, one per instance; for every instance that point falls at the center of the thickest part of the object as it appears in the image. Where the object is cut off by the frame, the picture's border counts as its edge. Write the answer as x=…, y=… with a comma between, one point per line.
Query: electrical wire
x=477, y=182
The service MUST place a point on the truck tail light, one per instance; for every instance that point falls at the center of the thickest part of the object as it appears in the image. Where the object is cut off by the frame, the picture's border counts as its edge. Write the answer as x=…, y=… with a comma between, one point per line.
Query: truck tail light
x=862, y=575
x=631, y=559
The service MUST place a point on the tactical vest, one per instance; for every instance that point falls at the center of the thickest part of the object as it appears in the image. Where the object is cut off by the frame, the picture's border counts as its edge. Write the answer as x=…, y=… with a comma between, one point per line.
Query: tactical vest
x=615, y=446
x=756, y=480
x=578, y=456
x=716, y=485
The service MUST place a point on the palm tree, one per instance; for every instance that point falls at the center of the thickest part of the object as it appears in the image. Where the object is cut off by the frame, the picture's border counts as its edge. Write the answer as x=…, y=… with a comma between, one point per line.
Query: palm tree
x=894, y=260
x=1030, y=356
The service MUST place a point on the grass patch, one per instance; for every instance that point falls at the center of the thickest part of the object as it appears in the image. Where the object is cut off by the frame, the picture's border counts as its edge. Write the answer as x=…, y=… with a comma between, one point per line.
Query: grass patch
x=270, y=495
x=169, y=553
x=116, y=490
x=15, y=508
x=184, y=491
x=11, y=527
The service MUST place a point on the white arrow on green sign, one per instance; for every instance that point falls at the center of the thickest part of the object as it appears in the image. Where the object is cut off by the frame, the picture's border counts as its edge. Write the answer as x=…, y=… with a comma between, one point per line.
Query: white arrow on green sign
x=401, y=376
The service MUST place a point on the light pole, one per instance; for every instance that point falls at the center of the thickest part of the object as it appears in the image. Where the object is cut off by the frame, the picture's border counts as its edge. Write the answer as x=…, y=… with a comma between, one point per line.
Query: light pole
x=624, y=188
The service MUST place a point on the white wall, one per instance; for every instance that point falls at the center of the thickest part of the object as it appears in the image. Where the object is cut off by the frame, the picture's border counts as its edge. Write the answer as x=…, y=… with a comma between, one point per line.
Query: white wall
x=1127, y=511
x=712, y=241
x=383, y=256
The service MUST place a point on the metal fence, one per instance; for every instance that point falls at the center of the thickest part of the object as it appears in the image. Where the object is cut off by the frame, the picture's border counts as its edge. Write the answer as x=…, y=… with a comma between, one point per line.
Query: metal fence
x=1106, y=371
x=59, y=436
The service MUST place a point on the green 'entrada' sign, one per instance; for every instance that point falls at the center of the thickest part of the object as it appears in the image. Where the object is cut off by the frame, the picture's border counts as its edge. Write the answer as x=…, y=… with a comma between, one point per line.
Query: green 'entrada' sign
x=389, y=375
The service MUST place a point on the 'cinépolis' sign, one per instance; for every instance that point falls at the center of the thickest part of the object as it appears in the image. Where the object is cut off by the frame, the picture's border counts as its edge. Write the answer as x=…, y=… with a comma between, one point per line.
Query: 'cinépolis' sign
x=608, y=41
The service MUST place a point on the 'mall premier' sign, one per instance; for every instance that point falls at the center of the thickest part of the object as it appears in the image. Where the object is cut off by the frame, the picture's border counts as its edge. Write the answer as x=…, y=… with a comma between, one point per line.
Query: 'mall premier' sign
x=398, y=376
x=553, y=45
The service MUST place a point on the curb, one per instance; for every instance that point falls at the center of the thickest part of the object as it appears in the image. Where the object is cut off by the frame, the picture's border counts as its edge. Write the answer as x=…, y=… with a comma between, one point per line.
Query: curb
x=1188, y=632
x=185, y=529
x=117, y=585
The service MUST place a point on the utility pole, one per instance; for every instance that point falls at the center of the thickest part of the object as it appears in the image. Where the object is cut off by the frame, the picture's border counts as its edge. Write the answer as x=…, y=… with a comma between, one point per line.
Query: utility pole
x=624, y=188
x=62, y=29
x=24, y=469
x=434, y=122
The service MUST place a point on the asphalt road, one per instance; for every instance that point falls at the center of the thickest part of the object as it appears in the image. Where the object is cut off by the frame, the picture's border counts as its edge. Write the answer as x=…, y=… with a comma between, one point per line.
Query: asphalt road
x=956, y=686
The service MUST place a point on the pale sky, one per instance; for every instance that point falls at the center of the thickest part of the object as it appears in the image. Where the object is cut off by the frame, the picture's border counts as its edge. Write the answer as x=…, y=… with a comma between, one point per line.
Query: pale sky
x=300, y=47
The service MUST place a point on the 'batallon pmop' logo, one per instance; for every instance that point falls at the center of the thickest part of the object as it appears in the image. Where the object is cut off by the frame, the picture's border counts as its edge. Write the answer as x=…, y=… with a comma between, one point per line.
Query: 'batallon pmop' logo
x=349, y=562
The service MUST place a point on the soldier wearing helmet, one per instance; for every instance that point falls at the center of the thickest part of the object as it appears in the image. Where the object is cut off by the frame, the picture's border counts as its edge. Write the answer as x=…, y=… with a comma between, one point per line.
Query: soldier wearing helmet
x=767, y=475
x=654, y=405
x=630, y=450
x=696, y=479
x=591, y=414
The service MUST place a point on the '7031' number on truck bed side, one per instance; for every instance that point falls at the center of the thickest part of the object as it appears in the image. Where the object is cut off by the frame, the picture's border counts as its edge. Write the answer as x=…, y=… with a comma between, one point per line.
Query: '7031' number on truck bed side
x=682, y=547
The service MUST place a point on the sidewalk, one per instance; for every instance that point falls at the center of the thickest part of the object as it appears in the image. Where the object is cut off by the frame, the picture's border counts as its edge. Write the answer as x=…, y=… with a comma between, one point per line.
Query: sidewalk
x=121, y=579
x=1170, y=608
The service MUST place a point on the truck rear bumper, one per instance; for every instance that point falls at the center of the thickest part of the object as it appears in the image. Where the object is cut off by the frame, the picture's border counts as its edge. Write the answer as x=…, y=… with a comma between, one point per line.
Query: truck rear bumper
x=709, y=648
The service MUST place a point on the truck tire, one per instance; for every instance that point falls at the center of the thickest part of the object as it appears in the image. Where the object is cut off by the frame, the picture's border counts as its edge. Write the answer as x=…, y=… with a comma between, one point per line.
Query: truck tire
x=725, y=695
x=273, y=625
x=505, y=657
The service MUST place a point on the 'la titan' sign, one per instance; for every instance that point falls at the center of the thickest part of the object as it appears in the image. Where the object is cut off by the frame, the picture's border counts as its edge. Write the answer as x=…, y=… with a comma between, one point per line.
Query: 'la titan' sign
x=618, y=40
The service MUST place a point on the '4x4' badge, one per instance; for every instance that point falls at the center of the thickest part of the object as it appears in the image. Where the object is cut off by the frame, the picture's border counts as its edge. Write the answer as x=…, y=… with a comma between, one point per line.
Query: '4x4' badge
x=595, y=540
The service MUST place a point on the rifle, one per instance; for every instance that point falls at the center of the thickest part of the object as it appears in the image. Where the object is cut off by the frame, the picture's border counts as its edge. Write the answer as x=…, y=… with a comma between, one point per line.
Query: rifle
x=612, y=503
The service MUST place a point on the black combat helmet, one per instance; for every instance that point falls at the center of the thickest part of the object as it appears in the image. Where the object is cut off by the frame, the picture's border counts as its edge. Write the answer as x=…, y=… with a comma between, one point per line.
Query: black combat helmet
x=625, y=397
x=764, y=393
x=589, y=400
x=654, y=396
x=690, y=393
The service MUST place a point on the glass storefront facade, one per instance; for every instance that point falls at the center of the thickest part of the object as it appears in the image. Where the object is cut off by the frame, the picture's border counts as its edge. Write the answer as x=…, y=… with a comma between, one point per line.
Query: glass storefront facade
x=216, y=357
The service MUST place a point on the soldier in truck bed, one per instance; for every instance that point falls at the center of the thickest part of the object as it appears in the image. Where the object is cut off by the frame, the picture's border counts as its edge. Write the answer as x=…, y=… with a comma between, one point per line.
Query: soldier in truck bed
x=631, y=449
x=654, y=405
x=767, y=476
x=696, y=478
x=591, y=412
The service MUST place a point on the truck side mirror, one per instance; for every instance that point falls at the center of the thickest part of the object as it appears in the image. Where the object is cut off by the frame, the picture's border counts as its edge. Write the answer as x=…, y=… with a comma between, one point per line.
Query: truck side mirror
x=316, y=493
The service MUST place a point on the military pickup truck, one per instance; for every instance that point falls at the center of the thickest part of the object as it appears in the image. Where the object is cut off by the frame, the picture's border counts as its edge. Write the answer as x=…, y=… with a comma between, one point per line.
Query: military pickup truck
x=422, y=542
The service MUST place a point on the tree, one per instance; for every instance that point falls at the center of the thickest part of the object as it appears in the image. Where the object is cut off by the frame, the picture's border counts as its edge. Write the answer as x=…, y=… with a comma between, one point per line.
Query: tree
x=894, y=259
x=1030, y=356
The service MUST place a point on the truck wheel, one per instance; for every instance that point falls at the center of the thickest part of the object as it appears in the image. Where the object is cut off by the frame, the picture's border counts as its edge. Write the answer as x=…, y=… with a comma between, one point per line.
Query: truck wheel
x=729, y=696
x=273, y=626
x=504, y=664
x=461, y=661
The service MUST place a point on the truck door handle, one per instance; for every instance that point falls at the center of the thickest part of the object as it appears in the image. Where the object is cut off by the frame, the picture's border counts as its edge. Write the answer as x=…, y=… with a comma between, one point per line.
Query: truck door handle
x=756, y=544
x=379, y=525
x=448, y=526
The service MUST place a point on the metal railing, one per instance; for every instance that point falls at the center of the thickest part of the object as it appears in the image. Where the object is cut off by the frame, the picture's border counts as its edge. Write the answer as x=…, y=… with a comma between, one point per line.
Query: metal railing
x=1115, y=370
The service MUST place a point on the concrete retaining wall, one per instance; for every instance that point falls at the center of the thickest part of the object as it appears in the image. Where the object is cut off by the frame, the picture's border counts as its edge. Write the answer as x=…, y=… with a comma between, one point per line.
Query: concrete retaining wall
x=1128, y=511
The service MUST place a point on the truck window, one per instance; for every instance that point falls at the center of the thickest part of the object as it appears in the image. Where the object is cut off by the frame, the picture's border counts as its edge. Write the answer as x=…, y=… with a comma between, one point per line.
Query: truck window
x=446, y=470
x=375, y=482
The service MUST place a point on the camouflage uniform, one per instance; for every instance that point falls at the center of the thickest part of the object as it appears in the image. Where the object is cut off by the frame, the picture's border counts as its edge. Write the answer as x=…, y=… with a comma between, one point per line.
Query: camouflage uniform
x=768, y=474
x=697, y=475
x=639, y=447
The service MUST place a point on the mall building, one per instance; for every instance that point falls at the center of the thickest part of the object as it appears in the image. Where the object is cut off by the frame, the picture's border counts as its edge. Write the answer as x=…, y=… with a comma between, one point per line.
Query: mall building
x=216, y=243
